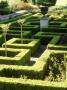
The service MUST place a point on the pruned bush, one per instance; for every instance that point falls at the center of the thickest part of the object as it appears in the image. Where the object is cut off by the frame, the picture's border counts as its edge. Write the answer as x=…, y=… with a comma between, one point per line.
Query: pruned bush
x=56, y=69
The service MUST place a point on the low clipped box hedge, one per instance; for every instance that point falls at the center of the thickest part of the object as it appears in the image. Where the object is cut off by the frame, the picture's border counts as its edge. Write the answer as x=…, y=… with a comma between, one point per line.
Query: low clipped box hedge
x=28, y=23
x=32, y=44
x=33, y=28
x=55, y=23
x=55, y=29
x=59, y=43
x=17, y=34
x=34, y=72
x=40, y=66
x=25, y=16
x=38, y=70
x=52, y=33
x=64, y=25
x=33, y=23
x=44, y=38
x=58, y=25
x=27, y=84
x=1, y=39
x=14, y=56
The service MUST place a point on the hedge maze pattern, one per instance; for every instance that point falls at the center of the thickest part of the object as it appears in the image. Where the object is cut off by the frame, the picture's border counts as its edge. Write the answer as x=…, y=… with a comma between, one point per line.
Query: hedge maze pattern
x=40, y=62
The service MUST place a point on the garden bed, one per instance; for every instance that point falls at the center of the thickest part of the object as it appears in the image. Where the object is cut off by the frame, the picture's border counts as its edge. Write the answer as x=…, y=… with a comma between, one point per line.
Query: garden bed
x=45, y=39
x=49, y=48
x=58, y=44
x=54, y=68
x=33, y=28
x=16, y=34
x=55, y=29
x=32, y=44
x=14, y=56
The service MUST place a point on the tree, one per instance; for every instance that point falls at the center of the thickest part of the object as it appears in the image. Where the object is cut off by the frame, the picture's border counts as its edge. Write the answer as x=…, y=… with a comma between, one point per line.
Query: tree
x=20, y=22
x=5, y=28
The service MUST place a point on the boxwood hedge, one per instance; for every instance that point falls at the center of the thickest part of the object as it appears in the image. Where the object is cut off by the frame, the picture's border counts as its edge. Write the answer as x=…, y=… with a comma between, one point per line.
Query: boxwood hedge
x=32, y=44
x=55, y=45
x=1, y=39
x=17, y=34
x=44, y=38
x=27, y=84
x=55, y=29
x=52, y=33
x=37, y=71
x=14, y=56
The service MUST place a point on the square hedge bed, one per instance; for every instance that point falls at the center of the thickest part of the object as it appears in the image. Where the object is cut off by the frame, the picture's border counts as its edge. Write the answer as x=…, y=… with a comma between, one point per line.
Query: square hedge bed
x=52, y=33
x=32, y=44
x=27, y=24
x=14, y=56
x=9, y=74
x=62, y=25
x=45, y=38
x=58, y=43
x=17, y=34
x=34, y=72
x=33, y=28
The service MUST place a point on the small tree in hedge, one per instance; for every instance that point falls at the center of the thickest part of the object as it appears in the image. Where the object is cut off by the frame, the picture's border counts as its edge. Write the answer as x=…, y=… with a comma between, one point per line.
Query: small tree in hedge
x=20, y=22
x=5, y=28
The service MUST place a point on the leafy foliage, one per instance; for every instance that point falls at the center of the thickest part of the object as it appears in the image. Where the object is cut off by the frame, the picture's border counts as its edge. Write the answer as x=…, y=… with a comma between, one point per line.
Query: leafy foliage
x=4, y=8
x=3, y=4
x=56, y=67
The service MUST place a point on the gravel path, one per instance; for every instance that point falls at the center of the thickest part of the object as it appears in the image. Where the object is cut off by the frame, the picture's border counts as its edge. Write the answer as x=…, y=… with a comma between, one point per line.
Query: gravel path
x=12, y=15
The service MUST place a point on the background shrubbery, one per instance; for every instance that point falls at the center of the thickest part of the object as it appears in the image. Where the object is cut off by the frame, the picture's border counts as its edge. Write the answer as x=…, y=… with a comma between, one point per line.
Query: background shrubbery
x=4, y=8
